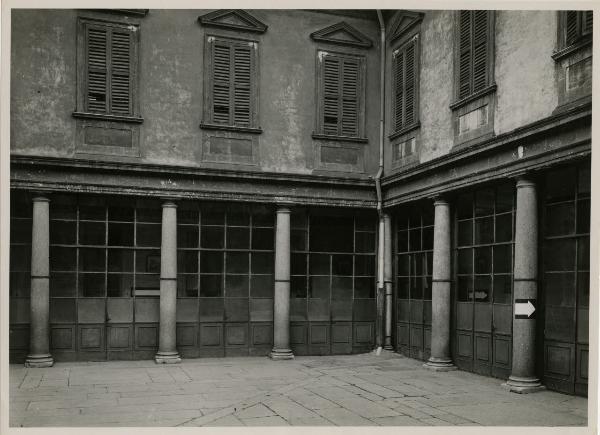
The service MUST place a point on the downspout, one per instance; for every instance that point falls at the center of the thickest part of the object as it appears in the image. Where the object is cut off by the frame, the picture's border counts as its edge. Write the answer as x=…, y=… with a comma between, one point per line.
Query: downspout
x=381, y=232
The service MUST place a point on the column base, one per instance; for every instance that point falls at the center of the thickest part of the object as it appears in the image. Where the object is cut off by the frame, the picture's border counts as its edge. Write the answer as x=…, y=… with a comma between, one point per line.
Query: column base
x=281, y=354
x=517, y=384
x=440, y=364
x=388, y=347
x=167, y=358
x=38, y=361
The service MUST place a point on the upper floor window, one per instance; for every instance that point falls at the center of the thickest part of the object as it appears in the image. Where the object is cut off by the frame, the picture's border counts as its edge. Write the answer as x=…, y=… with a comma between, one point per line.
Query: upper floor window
x=475, y=52
x=110, y=53
x=340, y=95
x=231, y=76
x=406, y=78
x=576, y=26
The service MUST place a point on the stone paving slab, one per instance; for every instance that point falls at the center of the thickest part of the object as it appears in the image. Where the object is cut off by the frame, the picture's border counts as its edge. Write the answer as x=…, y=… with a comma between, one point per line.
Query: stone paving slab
x=353, y=390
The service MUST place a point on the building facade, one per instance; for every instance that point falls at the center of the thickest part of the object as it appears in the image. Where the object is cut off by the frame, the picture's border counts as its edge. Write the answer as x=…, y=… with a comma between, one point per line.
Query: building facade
x=191, y=183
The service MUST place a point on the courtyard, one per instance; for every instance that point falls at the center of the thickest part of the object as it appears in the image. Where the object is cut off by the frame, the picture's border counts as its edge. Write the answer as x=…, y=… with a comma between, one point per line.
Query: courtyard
x=353, y=390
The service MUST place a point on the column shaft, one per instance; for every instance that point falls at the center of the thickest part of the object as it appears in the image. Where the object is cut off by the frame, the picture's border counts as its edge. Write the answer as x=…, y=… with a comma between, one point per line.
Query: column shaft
x=39, y=327
x=523, y=378
x=387, y=278
x=167, y=350
x=281, y=297
x=440, y=290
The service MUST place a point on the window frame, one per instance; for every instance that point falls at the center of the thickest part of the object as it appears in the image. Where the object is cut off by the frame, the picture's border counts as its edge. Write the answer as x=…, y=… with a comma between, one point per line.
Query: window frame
x=133, y=26
x=319, y=132
x=207, y=122
x=564, y=47
x=401, y=48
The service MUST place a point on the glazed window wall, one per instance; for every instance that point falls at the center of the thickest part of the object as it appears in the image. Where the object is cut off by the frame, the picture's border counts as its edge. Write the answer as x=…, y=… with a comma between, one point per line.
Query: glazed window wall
x=484, y=265
x=332, y=282
x=566, y=267
x=414, y=263
x=225, y=279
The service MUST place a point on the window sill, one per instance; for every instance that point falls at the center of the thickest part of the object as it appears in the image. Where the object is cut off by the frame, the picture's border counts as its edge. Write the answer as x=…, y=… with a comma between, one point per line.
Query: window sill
x=460, y=103
x=404, y=130
x=567, y=51
x=104, y=117
x=234, y=128
x=340, y=138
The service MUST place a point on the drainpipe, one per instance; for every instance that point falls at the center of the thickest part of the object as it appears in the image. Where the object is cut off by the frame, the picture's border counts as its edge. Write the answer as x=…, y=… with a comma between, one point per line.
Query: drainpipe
x=381, y=232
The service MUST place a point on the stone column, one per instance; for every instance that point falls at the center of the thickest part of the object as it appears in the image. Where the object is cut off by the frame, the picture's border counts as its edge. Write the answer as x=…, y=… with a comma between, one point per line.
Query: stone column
x=440, y=359
x=167, y=351
x=39, y=323
x=281, y=298
x=523, y=378
x=387, y=279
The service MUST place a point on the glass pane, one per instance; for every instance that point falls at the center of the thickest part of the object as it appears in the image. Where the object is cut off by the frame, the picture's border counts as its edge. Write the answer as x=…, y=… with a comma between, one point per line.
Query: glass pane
x=584, y=183
x=147, y=261
x=414, y=239
x=465, y=233
x=503, y=259
x=504, y=228
x=504, y=198
x=427, y=238
x=211, y=262
x=365, y=242
x=298, y=218
x=484, y=202
x=298, y=286
x=187, y=261
x=261, y=286
x=187, y=236
x=416, y=288
x=583, y=253
x=91, y=284
x=464, y=206
x=211, y=285
x=236, y=286
x=92, y=209
x=120, y=234
x=484, y=230
x=20, y=231
x=319, y=287
x=502, y=289
x=212, y=237
x=402, y=241
x=560, y=289
x=583, y=216
x=560, y=184
x=238, y=238
x=364, y=265
x=365, y=223
x=414, y=217
x=263, y=216
x=364, y=288
x=464, y=287
x=147, y=281
x=92, y=259
x=341, y=265
x=64, y=259
x=341, y=288
x=187, y=215
x=427, y=212
x=237, y=215
x=92, y=233
x=564, y=261
x=427, y=283
x=465, y=261
x=583, y=289
x=61, y=207
x=560, y=219
x=149, y=212
x=429, y=269
x=483, y=259
x=483, y=288
x=237, y=262
x=61, y=284
x=61, y=232
x=119, y=285
x=401, y=222
x=298, y=264
x=123, y=212
x=263, y=238
x=319, y=264
x=298, y=240
x=148, y=235
x=331, y=234
x=403, y=287
x=187, y=286
x=263, y=263
x=213, y=214
x=20, y=284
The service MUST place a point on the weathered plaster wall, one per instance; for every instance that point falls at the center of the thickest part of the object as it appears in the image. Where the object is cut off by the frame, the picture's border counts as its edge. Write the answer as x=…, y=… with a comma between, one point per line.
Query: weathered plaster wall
x=525, y=71
x=43, y=82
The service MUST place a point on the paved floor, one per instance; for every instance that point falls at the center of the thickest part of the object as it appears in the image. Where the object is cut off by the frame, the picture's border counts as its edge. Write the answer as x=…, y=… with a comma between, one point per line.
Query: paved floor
x=385, y=390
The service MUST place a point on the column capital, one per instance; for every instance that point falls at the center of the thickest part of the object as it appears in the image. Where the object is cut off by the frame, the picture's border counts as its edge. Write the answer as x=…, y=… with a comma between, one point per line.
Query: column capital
x=439, y=200
x=525, y=180
x=39, y=197
x=168, y=203
x=283, y=208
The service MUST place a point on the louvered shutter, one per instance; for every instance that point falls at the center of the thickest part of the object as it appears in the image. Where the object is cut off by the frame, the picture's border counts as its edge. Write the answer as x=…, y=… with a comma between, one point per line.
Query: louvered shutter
x=350, y=91
x=241, y=82
x=465, y=53
x=399, y=91
x=221, y=83
x=120, y=76
x=572, y=28
x=588, y=24
x=96, y=96
x=480, y=50
x=409, y=83
x=331, y=94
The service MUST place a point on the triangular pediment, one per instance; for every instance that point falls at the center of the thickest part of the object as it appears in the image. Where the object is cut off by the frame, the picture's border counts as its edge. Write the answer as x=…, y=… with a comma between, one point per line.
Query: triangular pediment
x=342, y=33
x=405, y=20
x=234, y=19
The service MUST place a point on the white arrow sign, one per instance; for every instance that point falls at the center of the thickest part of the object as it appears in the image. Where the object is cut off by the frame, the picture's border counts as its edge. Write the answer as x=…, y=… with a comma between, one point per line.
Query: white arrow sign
x=524, y=309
